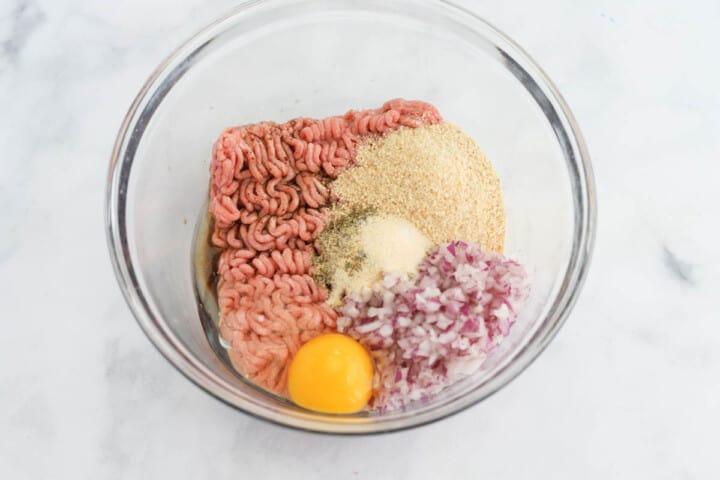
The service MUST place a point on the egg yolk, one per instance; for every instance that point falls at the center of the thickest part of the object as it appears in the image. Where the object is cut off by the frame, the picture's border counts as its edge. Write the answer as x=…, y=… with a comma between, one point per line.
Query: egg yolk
x=331, y=373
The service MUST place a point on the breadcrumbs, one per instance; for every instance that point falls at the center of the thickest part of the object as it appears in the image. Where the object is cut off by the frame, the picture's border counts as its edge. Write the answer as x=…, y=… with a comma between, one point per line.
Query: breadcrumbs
x=436, y=177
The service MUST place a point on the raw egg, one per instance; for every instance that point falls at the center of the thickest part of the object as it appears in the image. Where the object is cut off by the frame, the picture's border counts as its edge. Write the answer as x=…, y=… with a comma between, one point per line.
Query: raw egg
x=331, y=373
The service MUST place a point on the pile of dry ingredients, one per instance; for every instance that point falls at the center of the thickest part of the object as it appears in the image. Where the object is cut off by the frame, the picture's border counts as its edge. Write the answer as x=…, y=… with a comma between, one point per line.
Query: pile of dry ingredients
x=435, y=176
x=358, y=246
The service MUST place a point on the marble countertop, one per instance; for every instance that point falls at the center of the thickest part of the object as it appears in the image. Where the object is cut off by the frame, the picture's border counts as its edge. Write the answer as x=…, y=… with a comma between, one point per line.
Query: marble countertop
x=630, y=388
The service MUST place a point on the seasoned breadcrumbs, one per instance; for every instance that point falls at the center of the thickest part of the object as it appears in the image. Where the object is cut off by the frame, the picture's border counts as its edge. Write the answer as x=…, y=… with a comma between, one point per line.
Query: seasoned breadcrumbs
x=436, y=177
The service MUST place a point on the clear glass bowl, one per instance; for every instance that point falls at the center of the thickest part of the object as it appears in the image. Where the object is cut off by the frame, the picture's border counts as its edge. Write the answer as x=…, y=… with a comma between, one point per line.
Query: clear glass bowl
x=279, y=59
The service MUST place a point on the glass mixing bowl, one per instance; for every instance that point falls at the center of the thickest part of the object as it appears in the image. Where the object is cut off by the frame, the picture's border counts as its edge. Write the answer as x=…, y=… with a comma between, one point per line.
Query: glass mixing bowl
x=279, y=59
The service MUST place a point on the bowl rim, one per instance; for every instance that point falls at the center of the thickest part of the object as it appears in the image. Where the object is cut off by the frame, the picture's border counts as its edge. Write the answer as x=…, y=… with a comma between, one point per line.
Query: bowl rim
x=179, y=356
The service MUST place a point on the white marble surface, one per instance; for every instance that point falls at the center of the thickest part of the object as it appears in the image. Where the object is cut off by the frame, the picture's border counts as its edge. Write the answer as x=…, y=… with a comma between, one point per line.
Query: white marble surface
x=629, y=389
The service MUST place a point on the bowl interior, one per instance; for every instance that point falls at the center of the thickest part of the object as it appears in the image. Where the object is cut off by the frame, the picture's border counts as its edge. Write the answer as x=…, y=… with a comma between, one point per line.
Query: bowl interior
x=280, y=59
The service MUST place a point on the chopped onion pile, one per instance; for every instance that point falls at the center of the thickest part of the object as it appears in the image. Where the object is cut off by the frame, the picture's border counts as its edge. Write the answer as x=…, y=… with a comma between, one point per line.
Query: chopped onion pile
x=430, y=331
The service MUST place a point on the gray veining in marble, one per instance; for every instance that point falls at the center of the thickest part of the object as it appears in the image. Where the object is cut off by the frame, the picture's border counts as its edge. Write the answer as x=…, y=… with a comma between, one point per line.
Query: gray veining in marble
x=681, y=269
x=23, y=18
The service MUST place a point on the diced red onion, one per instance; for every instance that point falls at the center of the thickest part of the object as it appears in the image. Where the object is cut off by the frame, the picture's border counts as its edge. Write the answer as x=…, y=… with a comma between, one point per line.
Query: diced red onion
x=430, y=331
